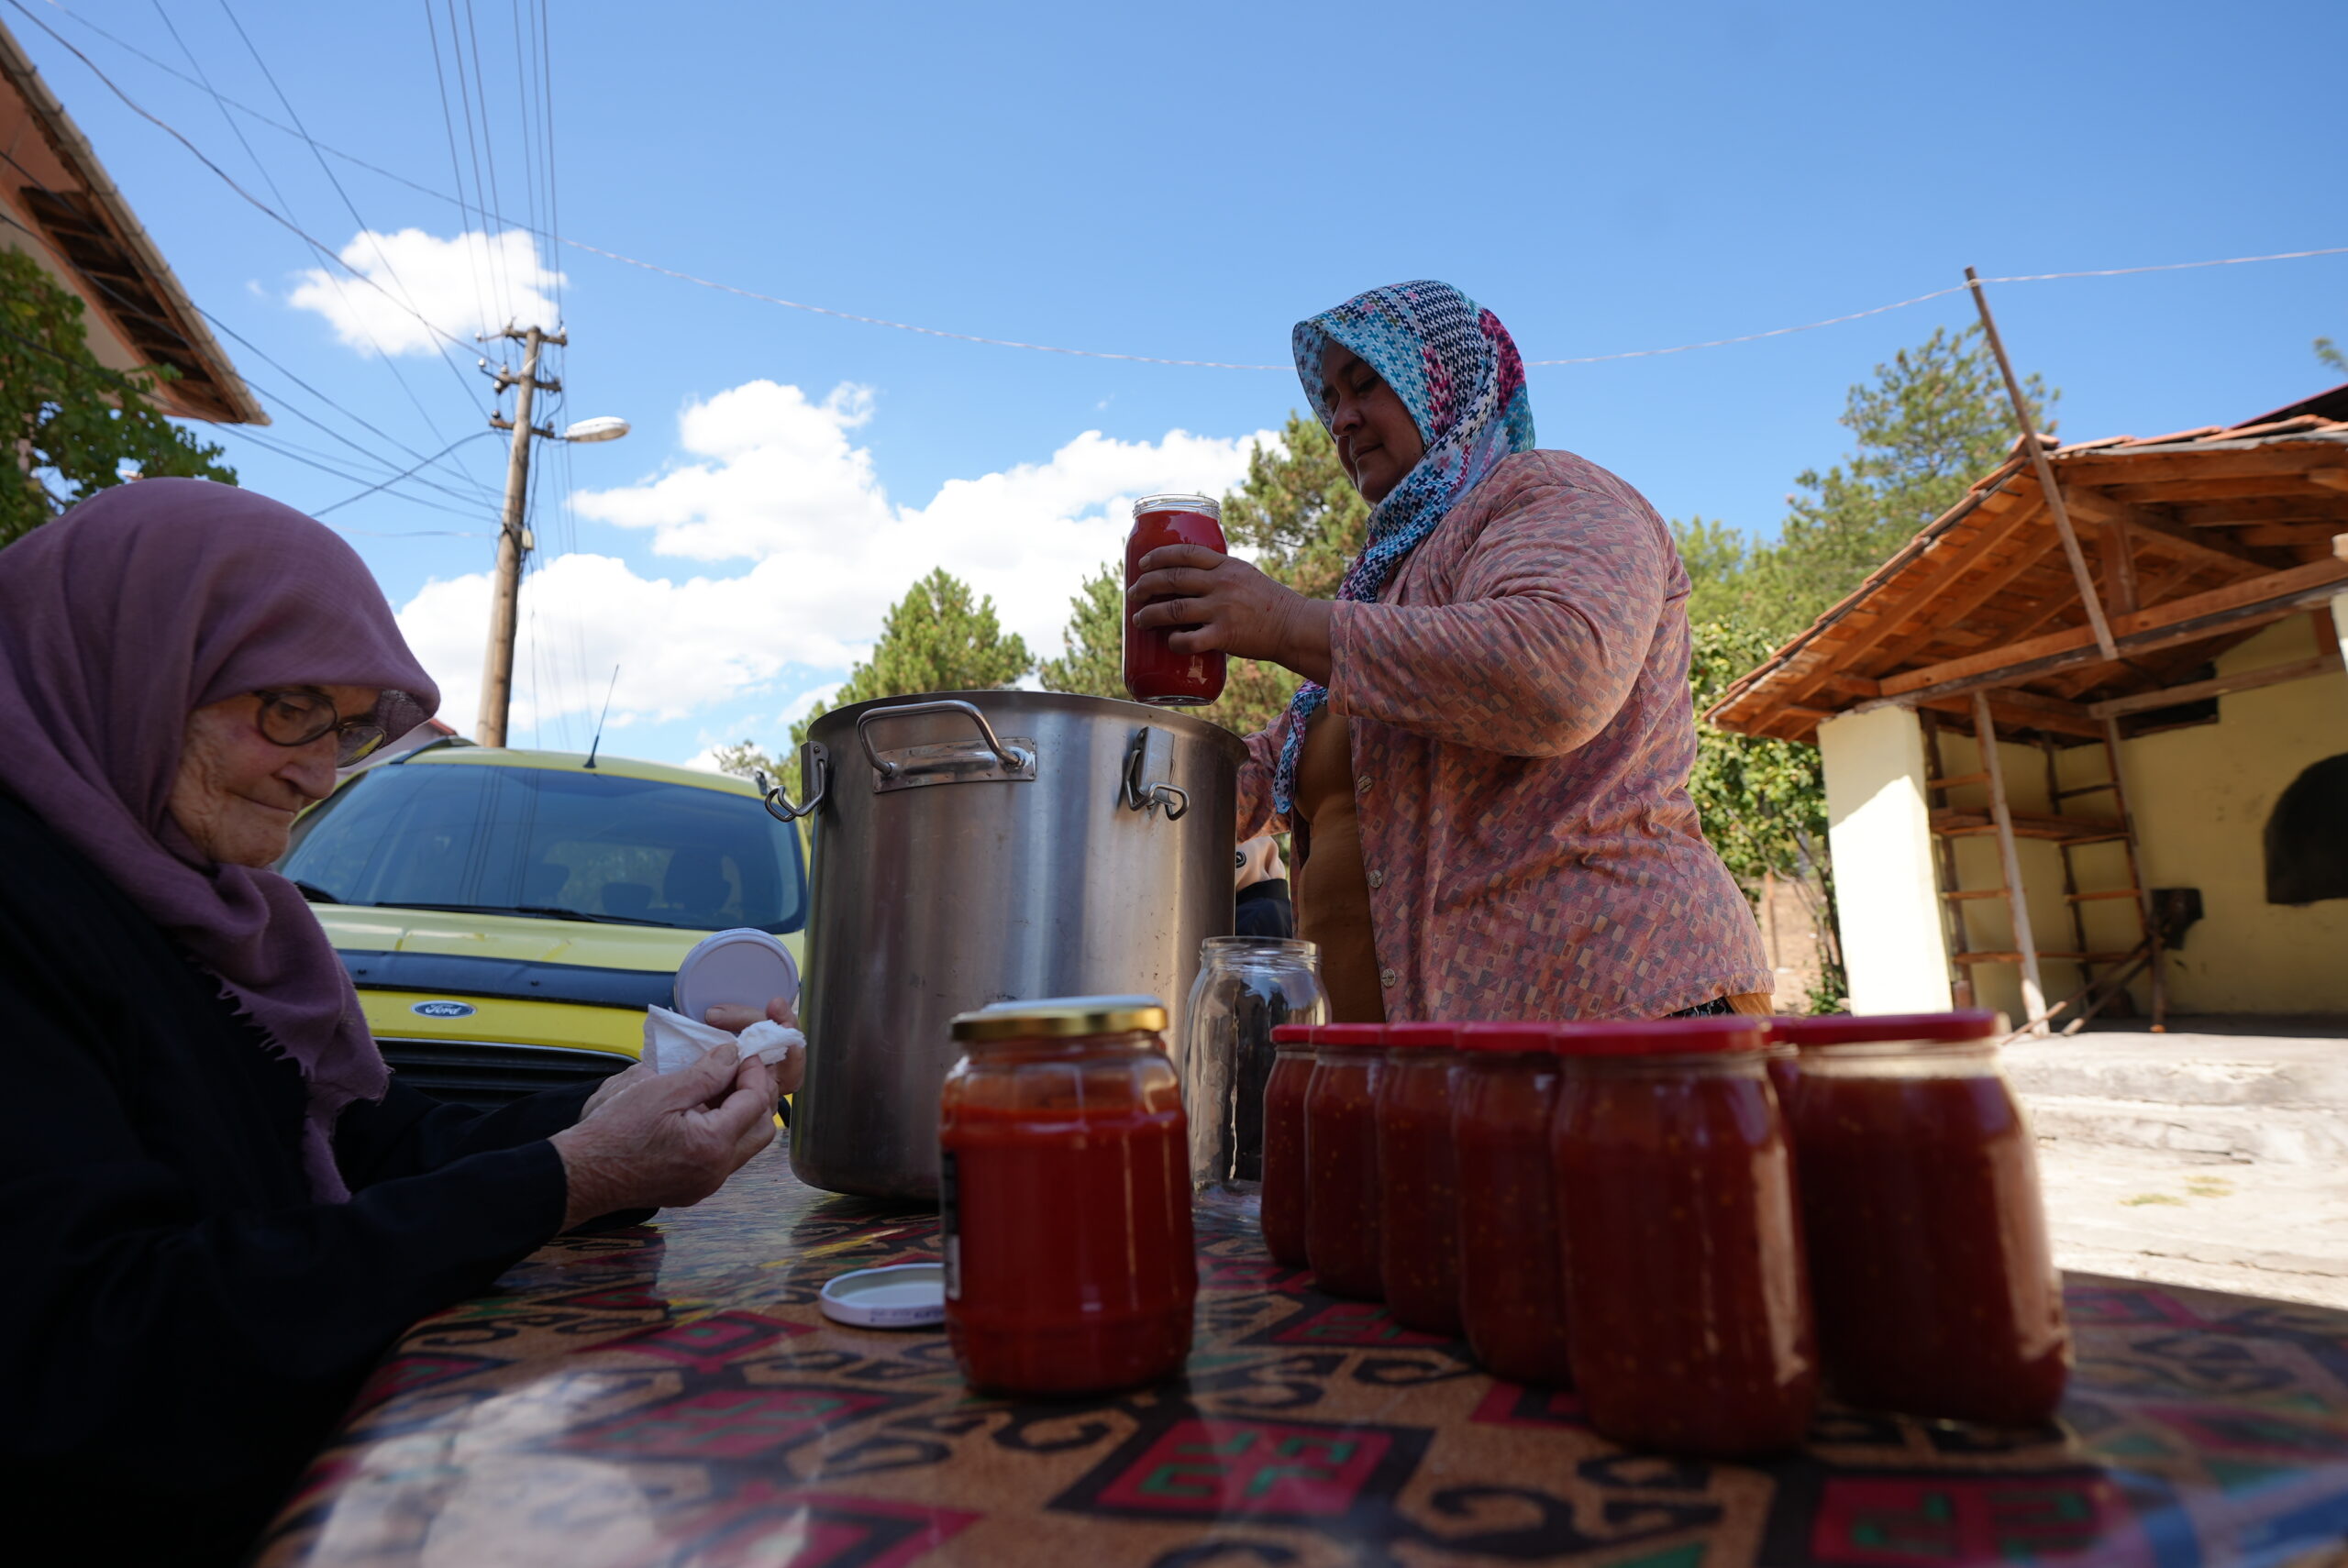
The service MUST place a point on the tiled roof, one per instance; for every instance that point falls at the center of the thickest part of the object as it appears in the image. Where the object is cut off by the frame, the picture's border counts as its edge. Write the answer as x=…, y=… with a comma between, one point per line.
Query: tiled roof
x=2227, y=528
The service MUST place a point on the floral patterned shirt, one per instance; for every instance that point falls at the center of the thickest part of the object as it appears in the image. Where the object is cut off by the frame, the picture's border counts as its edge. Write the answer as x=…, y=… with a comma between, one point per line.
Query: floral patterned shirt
x=1522, y=733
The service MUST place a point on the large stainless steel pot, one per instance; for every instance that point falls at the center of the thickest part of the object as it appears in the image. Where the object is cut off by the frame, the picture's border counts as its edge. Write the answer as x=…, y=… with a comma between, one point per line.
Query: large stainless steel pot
x=972, y=847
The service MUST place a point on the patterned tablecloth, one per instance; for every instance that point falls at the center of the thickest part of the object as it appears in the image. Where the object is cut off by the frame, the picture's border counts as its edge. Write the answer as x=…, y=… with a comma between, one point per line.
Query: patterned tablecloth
x=669, y=1395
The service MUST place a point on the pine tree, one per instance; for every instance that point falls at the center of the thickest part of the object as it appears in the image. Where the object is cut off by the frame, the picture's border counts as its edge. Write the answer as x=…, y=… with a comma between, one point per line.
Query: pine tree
x=938, y=638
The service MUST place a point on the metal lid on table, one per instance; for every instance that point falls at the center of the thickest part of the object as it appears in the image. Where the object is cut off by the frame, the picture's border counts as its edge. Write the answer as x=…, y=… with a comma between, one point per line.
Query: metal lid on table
x=741, y=968
x=1062, y=1018
x=906, y=1296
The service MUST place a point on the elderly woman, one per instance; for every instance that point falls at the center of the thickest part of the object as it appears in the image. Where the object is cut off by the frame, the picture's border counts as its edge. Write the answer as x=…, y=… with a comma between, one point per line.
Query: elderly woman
x=1486, y=770
x=221, y=1208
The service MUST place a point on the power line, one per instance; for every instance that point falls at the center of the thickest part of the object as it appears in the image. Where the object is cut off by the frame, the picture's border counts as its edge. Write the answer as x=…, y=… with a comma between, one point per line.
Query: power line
x=224, y=177
x=245, y=433
x=558, y=238
x=322, y=511
x=472, y=393
x=109, y=289
x=266, y=358
x=270, y=180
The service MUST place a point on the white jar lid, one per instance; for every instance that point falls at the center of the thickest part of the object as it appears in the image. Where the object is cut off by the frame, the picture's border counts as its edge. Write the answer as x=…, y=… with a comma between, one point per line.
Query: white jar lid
x=741, y=968
x=907, y=1295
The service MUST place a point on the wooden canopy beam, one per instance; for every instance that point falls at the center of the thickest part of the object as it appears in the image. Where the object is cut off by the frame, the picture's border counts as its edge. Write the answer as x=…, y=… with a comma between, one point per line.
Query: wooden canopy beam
x=1953, y=610
x=1932, y=577
x=2219, y=609
x=2053, y=492
x=2220, y=686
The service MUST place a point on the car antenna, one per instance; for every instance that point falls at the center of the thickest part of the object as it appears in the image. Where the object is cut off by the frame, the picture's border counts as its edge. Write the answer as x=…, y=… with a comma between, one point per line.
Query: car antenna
x=597, y=744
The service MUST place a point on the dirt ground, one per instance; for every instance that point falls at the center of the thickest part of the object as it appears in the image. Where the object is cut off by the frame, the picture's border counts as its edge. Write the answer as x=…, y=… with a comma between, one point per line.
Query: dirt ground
x=2278, y=1231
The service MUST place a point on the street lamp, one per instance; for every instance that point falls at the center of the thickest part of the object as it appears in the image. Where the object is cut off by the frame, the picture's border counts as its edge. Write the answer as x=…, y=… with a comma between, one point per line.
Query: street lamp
x=604, y=427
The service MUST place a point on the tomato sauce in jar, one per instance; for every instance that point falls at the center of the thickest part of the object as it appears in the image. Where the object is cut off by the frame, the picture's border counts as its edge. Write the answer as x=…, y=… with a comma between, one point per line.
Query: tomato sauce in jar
x=1511, y=1262
x=1288, y=1188
x=1341, y=1155
x=1153, y=671
x=1418, y=1196
x=1687, y=1309
x=1937, y=1291
x=1066, y=1188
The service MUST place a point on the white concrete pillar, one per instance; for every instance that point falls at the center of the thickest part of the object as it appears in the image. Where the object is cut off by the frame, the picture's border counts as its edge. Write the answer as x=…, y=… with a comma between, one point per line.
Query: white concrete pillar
x=2340, y=611
x=1879, y=828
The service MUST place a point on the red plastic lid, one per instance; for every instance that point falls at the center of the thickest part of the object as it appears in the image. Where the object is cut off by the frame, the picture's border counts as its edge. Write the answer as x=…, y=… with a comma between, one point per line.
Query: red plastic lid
x=1354, y=1035
x=1495, y=1036
x=1294, y=1033
x=1422, y=1036
x=1844, y=1029
x=1710, y=1035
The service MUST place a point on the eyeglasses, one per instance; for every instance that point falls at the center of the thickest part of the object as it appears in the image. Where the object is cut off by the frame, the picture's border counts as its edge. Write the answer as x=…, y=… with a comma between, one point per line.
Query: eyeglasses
x=292, y=717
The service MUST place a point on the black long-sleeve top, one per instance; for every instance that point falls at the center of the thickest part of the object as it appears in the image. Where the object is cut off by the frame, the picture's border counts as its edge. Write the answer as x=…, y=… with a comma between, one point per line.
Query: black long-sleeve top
x=180, y=1323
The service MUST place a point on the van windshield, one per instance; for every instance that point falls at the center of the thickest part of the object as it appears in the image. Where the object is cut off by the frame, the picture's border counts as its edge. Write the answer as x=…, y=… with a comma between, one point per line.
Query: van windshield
x=553, y=843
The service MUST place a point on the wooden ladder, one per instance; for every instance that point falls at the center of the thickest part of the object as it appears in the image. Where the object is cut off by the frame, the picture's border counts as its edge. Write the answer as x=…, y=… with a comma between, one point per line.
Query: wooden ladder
x=2069, y=831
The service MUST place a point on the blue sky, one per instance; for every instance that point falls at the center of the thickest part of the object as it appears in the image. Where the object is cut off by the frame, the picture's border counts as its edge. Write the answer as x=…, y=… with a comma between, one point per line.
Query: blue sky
x=1180, y=181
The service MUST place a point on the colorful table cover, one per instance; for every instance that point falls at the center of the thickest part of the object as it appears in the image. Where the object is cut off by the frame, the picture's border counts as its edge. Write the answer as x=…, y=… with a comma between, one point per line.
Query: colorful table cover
x=669, y=1396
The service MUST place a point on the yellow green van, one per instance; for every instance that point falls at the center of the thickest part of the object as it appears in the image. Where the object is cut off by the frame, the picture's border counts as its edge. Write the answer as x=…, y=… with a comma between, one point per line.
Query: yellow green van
x=508, y=915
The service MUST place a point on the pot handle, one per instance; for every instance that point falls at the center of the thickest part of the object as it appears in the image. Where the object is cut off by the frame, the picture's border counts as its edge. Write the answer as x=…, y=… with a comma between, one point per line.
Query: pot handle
x=1152, y=751
x=1012, y=759
x=816, y=779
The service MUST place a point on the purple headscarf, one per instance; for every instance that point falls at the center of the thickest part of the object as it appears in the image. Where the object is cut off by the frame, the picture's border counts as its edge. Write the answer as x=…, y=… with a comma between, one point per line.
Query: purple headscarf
x=117, y=621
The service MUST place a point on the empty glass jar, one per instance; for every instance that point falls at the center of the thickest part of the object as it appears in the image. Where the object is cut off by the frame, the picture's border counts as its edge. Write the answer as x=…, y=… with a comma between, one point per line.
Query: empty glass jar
x=1248, y=987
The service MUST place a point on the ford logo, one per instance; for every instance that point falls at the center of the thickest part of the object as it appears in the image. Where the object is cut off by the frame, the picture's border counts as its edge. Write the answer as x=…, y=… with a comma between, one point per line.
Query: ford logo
x=443, y=1009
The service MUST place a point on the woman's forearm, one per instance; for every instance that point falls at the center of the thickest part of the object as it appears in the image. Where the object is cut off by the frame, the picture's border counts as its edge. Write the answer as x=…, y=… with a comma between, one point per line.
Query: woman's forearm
x=1304, y=639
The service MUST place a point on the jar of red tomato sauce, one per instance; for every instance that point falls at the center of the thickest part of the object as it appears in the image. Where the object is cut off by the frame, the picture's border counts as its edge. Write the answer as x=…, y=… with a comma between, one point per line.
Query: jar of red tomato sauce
x=1418, y=1197
x=1341, y=1155
x=1065, y=1198
x=1686, y=1305
x=1511, y=1263
x=1937, y=1293
x=1153, y=671
x=1286, y=1186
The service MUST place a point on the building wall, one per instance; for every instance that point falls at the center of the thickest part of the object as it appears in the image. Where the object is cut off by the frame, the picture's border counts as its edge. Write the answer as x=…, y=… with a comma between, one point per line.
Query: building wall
x=2201, y=797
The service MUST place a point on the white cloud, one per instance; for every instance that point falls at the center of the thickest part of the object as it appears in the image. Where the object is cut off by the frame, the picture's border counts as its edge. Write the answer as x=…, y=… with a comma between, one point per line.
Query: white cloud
x=771, y=477
x=473, y=283
x=776, y=479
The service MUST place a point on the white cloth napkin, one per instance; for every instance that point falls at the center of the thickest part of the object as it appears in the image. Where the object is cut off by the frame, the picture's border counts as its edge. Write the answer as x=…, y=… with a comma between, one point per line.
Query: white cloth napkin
x=672, y=1040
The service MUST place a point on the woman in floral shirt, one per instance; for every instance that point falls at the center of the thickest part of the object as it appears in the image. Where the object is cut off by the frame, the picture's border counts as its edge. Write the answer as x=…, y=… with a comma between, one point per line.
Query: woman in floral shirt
x=1486, y=770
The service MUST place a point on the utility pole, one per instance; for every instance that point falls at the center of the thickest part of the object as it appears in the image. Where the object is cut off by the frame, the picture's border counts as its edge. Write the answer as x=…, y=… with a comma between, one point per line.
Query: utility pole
x=513, y=540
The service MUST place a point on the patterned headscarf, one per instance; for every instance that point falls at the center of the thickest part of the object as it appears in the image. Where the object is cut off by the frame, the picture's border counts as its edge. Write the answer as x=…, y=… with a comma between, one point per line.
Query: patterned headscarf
x=1456, y=370
x=119, y=620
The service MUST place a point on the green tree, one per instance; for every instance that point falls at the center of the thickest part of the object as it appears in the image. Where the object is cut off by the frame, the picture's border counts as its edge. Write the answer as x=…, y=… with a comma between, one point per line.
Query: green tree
x=1300, y=519
x=938, y=638
x=76, y=425
x=1935, y=419
x=2327, y=352
x=1091, y=662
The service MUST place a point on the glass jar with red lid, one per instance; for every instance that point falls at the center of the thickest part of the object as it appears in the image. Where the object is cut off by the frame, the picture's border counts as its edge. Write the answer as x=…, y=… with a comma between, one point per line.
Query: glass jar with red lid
x=1687, y=1304
x=1341, y=1153
x=1288, y=1188
x=1937, y=1292
x=1065, y=1198
x=1418, y=1197
x=1512, y=1262
x=1153, y=671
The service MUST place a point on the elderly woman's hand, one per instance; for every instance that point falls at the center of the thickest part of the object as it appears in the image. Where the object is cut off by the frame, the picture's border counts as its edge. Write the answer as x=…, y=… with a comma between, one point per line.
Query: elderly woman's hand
x=1231, y=606
x=734, y=1020
x=667, y=1141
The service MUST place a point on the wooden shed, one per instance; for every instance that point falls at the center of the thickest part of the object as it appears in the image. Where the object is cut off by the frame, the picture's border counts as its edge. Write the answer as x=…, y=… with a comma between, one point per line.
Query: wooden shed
x=2023, y=804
